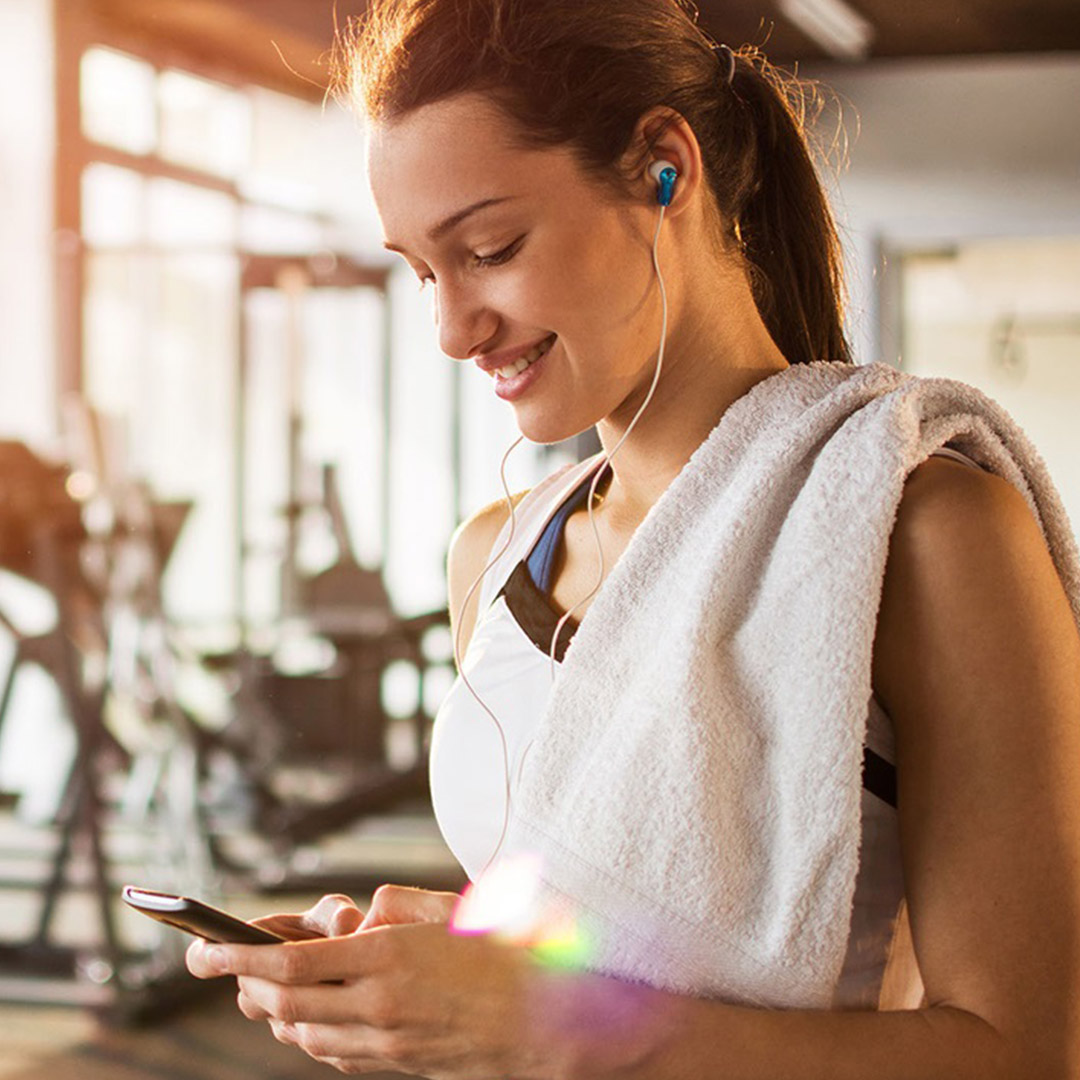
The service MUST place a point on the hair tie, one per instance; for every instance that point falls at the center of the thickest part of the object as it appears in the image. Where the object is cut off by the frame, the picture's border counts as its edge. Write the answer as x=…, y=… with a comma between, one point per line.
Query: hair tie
x=727, y=59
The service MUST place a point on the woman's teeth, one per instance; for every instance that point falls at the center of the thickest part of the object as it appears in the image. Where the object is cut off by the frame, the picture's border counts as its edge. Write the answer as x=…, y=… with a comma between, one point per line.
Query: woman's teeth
x=519, y=365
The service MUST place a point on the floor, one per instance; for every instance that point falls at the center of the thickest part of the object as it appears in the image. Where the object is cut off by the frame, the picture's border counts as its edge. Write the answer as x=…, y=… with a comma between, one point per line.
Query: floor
x=210, y=1041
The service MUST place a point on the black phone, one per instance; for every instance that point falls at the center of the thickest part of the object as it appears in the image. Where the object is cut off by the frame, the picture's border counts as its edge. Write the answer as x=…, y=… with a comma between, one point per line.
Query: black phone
x=197, y=918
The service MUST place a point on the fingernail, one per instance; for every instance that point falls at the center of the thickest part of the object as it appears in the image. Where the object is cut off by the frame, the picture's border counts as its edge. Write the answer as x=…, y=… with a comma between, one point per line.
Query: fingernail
x=215, y=957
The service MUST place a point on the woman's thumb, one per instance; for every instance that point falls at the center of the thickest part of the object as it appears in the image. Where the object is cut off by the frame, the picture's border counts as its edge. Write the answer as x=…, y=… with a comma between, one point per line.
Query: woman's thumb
x=334, y=916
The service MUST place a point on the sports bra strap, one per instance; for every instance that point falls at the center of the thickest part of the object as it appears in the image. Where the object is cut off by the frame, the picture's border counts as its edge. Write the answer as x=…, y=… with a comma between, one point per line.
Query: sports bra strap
x=541, y=559
x=531, y=515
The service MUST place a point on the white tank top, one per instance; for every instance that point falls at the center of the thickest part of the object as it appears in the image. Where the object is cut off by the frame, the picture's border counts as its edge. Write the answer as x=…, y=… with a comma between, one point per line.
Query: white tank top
x=512, y=675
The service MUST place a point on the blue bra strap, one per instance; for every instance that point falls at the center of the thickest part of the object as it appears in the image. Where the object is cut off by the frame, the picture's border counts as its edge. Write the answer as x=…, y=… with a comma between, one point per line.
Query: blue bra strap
x=541, y=560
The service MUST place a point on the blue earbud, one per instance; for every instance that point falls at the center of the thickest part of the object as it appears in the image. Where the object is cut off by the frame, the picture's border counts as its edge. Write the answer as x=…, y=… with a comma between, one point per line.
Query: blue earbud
x=665, y=174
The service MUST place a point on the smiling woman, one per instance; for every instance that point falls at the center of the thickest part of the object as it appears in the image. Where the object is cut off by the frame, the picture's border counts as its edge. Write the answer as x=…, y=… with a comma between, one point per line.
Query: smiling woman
x=797, y=791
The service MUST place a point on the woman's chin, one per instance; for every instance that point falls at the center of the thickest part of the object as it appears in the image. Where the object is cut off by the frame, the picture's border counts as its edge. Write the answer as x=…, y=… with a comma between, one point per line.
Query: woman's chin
x=548, y=430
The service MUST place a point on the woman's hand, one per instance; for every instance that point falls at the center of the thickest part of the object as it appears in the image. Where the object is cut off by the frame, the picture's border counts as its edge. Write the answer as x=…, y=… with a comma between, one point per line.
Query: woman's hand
x=332, y=916
x=413, y=997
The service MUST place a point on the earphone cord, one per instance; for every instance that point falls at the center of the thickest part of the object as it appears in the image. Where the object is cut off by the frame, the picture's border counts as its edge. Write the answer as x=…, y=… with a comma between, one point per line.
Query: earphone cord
x=599, y=552
x=461, y=665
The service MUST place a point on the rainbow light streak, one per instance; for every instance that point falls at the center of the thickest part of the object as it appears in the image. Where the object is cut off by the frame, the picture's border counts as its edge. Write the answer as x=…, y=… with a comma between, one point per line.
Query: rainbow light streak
x=505, y=902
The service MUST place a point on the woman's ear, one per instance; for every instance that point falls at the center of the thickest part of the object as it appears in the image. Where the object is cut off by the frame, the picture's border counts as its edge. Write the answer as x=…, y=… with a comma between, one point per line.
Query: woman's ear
x=664, y=135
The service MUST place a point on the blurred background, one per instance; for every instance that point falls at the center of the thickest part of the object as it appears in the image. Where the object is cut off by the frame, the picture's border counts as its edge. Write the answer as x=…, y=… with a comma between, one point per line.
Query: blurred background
x=232, y=457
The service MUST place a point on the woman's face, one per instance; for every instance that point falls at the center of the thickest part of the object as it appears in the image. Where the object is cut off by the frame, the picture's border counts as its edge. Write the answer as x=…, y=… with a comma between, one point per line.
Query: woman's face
x=525, y=253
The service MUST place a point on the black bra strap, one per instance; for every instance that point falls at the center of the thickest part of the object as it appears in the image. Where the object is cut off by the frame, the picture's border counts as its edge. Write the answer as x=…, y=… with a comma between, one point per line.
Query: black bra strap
x=879, y=776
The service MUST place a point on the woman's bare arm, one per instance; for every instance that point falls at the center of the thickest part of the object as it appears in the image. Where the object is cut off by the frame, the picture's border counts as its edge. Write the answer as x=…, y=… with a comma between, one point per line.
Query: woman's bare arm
x=977, y=660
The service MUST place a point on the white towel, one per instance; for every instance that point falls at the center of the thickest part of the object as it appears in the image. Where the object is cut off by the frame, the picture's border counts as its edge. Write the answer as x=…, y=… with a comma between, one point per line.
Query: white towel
x=694, y=788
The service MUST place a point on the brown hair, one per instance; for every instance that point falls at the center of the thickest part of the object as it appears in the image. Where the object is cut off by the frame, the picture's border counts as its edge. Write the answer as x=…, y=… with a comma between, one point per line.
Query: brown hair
x=581, y=73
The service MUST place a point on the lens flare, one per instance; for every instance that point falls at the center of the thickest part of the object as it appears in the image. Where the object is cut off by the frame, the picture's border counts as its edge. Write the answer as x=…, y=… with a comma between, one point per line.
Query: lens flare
x=506, y=902
x=502, y=901
x=563, y=946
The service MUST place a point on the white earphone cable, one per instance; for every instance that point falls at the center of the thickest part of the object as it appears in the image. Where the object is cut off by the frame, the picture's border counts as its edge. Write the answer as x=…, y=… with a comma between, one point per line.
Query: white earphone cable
x=459, y=660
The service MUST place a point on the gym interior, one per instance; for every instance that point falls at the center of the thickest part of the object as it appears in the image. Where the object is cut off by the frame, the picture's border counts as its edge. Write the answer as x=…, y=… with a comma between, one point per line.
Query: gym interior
x=232, y=456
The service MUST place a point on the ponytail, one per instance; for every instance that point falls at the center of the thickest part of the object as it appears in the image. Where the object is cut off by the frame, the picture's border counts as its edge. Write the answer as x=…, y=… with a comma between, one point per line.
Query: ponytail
x=782, y=218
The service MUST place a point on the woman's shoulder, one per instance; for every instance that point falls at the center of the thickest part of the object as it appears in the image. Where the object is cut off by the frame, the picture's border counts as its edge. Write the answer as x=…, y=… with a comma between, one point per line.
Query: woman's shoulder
x=474, y=538
x=949, y=499
x=469, y=552
x=965, y=549
x=478, y=532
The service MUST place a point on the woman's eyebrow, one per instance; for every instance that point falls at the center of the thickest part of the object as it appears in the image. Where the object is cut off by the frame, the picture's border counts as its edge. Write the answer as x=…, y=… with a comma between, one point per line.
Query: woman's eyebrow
x=437, y=232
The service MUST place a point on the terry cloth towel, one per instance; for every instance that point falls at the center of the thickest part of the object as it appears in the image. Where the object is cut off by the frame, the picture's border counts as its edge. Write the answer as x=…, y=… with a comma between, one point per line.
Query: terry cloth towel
x=693, y=792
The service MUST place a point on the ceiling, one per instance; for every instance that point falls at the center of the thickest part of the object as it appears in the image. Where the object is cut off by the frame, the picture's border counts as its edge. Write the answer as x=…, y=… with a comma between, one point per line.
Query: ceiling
x=903, y=28
x=283, y=43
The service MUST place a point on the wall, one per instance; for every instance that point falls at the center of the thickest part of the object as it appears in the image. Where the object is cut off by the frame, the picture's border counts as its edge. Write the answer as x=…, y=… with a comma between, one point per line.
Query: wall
x=951, y=149
x=973, y=166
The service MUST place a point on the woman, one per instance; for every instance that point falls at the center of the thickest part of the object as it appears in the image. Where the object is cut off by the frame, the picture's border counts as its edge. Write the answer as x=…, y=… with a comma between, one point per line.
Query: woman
x=803, y=542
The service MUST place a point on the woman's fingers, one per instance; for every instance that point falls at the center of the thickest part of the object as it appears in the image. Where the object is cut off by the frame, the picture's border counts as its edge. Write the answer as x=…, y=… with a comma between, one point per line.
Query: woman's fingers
x=198, y=963
x=251, y=1008
x=260, y=999
x=332, y=916
x=353, y=1064
x=395, y=904
x=283, y=1032
x=353, y=1045
x=417, y=999
x=289, y=927
x=294, y=963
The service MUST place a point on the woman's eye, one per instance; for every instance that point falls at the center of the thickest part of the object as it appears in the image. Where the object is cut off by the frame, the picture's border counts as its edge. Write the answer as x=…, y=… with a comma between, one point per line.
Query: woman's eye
x=499, y=257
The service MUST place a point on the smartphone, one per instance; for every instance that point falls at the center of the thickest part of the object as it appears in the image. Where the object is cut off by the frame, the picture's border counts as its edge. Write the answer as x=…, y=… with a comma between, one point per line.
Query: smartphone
x=197, y=918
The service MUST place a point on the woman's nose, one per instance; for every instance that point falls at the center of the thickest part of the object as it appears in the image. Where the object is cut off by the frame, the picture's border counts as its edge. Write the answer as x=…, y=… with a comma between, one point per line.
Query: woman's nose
x=464, y=322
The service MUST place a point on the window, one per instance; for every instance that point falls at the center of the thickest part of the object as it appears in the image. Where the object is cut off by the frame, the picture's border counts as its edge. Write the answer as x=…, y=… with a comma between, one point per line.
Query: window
x=117, y=101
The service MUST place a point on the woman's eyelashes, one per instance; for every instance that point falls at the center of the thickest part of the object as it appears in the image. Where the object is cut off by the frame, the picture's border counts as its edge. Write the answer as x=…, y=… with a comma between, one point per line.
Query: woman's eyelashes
x=499, y=257
x=482, y=262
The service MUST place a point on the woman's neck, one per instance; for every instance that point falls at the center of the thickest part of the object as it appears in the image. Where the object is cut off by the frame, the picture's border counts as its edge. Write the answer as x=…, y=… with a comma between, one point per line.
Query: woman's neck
x=718, y=350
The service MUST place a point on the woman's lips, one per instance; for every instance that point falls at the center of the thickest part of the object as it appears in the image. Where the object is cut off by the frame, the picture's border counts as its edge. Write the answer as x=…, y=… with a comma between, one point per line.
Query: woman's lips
x=491, y=362
x=524, y=361
x=510, y=388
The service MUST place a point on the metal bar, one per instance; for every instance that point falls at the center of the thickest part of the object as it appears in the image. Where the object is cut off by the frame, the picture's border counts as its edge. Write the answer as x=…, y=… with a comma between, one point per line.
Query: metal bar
x=55, y=549
x=54, y=883
x=243, y=340
x=69, y=42
x=264, y=272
